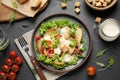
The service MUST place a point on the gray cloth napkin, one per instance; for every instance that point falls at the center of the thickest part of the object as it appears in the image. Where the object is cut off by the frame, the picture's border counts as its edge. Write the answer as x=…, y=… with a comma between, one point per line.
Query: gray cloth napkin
x=48, y=74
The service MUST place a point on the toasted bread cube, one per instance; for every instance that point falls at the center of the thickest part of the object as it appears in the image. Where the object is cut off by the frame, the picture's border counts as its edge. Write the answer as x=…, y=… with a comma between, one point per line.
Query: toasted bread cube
x=77, y=10
x=77, y=4
x=102, y=1
x=63, y=5
x=35, y=4
x=96, y=0
x=22, y=1
x=94, y=3
x=98, y=19
x=108, y=1
x=90, y=1
x=98, y=4
x=104, y=4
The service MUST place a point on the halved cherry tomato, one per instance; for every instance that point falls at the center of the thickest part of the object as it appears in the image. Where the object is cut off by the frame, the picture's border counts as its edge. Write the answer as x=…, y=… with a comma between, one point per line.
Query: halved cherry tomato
x=11, y=76
x=38, y=37
x=18, y=60
x=8, y=61
x=50, y=50
x=15, y=68
x=43, y=51
x=13, y=54
x=91, y=70
x=2, y=76
x=5, y=68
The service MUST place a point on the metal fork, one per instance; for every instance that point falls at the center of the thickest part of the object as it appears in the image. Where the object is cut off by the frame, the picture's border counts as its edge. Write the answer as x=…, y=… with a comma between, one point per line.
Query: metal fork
x=25, y=47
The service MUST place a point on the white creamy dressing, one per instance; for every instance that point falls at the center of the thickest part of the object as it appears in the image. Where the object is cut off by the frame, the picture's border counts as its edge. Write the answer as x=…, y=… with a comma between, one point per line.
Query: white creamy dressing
x=57, y=50
x=47, y=37
x=111, y=29
x=63, y=31
x=67, y=58
x=64, y=42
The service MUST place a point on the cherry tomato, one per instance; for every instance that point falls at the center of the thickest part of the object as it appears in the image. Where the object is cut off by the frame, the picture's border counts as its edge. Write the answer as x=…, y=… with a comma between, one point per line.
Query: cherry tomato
x=18, y=60
x=51, y=50
x=38, y=37
x=13, y=54
x=43, y=50
x=15, y=68
x=5, y=68
x=8, y=61
x=11, y=76
x=91, y=70
x=2, y=76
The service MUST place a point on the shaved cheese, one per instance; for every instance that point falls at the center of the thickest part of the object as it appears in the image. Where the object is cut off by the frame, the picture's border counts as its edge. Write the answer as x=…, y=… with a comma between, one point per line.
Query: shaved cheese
x=67, y=58
x=57, y=51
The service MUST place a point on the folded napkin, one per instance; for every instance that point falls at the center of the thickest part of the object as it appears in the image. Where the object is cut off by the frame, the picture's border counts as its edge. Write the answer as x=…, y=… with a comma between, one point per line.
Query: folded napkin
x=49, y=75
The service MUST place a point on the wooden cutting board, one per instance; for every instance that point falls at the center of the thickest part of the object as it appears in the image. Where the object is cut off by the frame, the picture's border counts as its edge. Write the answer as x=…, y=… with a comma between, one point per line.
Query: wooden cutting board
x=5, y=13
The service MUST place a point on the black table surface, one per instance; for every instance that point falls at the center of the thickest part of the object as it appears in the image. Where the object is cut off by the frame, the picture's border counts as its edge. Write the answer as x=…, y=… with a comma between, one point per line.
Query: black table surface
x=88, y=16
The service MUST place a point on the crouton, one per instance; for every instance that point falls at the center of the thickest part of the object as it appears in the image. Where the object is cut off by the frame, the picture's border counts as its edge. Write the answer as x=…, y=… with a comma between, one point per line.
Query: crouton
x=77, y=4
x=63, y=5
x=98, y=19
x=35, y=4
x=77, y=10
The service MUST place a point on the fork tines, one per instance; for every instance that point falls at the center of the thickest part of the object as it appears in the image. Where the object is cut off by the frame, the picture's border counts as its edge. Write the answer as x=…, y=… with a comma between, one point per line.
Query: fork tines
x=22, y=41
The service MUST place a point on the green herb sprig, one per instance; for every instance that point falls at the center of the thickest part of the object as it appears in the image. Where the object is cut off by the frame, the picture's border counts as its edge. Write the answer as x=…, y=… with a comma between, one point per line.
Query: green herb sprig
x=13, y=14
x=12, y=17
x=100, y=53
x=111, y=61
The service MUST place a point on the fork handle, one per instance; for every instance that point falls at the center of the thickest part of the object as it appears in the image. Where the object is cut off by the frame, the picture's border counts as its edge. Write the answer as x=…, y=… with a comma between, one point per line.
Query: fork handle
x=39, y=71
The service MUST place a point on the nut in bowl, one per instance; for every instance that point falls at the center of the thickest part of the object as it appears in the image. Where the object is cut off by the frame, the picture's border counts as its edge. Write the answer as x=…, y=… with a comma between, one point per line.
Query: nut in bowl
x=100, y=5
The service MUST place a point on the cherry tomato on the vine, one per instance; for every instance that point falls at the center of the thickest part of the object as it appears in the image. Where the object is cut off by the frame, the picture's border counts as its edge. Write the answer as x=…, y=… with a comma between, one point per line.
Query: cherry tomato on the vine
x=2, y=76
x=5, y=68
x=15, y=68
x=8, y=61
x=18, y=60
x=13, y=54
x=11, y=76
x=91, y=70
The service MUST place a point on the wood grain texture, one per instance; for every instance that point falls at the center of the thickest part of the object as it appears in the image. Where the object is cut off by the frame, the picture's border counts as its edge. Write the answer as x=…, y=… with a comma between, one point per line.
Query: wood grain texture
x=5, y=13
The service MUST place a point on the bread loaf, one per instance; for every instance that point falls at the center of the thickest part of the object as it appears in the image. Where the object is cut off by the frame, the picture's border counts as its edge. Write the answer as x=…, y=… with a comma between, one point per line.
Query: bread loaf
x=22, y=1
x=35, y=4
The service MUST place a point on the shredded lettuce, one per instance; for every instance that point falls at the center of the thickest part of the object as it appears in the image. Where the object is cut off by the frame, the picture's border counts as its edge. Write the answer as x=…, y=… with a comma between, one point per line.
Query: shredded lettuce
x=57, y=23
x=72, y=43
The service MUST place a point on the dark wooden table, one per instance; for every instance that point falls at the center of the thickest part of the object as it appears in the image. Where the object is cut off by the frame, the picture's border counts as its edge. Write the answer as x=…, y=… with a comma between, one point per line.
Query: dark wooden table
x=86, y=15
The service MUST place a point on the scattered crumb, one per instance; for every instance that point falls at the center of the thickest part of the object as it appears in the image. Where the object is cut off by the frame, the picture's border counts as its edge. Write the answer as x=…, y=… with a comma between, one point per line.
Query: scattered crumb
x=63, y=5
x=77, y=4
x=98, y=19
x=77, y=10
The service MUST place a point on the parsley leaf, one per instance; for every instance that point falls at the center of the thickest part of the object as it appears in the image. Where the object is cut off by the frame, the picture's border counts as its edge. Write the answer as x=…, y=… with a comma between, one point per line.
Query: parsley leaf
x=14, y=4
x=111, y=61
x=12, y=17
x=100, y=64
x=100, y=53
